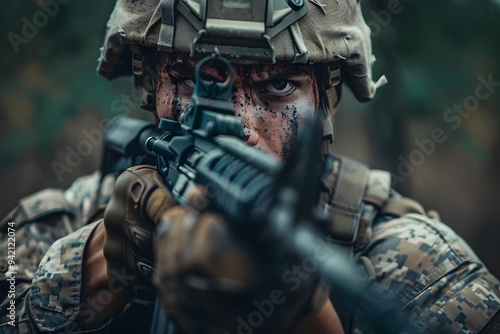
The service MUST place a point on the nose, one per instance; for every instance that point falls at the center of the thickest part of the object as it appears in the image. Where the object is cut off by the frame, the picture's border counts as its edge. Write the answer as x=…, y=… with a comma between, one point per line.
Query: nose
x=245, y=110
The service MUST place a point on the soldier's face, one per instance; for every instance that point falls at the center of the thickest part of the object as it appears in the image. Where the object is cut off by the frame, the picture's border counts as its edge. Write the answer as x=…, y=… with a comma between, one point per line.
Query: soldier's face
x=273, y=101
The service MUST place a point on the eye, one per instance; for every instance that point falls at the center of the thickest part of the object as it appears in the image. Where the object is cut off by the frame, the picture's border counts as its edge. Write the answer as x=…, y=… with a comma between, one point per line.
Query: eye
x=280, y=85
x=278, y=88
x=188, y=83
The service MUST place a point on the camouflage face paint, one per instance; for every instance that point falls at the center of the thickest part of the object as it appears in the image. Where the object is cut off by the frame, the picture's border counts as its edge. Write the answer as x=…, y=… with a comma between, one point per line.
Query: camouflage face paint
x=273, y=101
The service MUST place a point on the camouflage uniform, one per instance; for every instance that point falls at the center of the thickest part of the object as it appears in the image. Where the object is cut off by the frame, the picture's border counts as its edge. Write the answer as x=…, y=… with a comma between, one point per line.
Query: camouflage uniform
x=40, y=220
x=430, y=271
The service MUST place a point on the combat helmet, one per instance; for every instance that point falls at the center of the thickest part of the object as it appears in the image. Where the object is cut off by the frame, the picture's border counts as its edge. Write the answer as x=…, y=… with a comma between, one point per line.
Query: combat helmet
x=330, y=34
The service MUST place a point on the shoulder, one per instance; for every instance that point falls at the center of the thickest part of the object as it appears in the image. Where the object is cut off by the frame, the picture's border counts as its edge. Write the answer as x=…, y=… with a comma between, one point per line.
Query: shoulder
x=432, y=273
x=30, y=229
x=45, y=216
x=44, y=205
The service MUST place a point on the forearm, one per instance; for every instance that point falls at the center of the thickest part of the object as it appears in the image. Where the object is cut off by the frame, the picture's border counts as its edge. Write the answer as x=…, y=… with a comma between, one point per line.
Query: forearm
x=101, y=297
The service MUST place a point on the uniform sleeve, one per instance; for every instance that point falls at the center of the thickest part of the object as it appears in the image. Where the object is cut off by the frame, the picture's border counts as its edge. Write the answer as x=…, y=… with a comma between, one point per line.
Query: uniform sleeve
x=434, y=276
x=26, y=235
x=54, y=300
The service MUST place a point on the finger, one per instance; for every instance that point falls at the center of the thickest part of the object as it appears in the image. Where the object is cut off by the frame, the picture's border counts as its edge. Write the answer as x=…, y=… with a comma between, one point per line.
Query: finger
x=172, y=240
x=217, y=251
x=148, y=192
x=158, y=202
x=189, y=242
x=197, y=198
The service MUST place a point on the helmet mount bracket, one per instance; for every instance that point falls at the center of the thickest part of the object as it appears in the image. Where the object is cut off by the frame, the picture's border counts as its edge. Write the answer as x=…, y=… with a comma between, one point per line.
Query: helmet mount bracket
x=216, y=22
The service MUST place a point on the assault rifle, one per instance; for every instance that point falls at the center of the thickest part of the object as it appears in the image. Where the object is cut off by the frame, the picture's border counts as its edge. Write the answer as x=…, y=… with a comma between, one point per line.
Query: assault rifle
x=269, y=203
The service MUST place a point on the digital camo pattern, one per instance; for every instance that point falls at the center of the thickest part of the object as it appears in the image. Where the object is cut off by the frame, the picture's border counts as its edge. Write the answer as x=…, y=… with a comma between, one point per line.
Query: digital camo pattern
x=432, y=274
x=379, y=185
x=82, y=194
x=32, y=242
x=54, y=299
x=35, y=237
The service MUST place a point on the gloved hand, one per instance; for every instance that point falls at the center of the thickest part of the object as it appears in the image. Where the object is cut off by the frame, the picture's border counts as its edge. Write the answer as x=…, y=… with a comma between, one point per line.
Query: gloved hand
x=210, y=281
x=138, y=200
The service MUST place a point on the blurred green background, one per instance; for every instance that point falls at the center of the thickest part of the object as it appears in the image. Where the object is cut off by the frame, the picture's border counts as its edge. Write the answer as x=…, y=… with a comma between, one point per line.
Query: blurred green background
x=432, y=52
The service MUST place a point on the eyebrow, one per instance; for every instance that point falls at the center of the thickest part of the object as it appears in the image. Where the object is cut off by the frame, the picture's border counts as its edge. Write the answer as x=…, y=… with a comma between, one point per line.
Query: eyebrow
x=187, y=66
x=182, y=66
x=286, y=71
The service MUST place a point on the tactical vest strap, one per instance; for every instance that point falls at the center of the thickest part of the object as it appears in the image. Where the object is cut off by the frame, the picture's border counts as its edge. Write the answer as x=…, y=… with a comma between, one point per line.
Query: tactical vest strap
x=344, y=183
x=345, y=204
x=376, y=194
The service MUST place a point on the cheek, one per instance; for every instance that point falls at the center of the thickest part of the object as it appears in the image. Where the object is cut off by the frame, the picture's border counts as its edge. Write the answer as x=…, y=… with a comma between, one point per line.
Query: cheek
x=293, y=124
x=168, y=103
x=281, y=126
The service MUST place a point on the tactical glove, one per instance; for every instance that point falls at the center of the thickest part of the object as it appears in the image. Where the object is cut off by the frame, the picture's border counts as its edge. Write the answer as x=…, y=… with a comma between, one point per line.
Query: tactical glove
x=211, y=282
x=138, y=200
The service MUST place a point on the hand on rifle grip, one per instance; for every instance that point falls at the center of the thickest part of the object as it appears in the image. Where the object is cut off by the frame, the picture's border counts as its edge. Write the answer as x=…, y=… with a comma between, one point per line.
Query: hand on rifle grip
x=139, y=199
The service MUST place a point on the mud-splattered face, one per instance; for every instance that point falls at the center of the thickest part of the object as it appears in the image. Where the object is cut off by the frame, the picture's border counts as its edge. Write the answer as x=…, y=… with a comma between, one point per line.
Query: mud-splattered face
x=273, y=101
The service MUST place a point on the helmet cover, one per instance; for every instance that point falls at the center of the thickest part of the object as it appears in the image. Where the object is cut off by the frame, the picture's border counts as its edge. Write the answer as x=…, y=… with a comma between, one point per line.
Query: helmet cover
x=265, y=31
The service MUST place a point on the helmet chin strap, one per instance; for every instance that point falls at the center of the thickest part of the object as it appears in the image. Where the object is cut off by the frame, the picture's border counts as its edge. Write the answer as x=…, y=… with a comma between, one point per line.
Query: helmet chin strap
x=328, y=79
x=327, y=130
x=146, y=75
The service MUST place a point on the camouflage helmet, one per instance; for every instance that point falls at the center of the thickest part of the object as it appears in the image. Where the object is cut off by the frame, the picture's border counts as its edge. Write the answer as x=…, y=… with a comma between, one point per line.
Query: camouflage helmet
x=331, y=34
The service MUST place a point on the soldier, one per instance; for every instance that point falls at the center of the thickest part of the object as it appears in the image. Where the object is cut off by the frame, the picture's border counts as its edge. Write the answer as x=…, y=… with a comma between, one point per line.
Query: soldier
x=81, y=268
